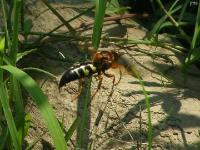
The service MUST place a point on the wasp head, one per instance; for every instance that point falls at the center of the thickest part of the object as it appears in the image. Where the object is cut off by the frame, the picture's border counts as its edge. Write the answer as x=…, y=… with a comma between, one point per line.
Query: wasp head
x=104, y=60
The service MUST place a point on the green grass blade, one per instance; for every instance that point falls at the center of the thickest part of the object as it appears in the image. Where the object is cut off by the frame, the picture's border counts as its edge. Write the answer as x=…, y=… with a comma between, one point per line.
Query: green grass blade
x=132, y=69
x=7, y=60
x=83, y=123
x=25, y=53
x=193, y=57
x=72, y=128
x=9, y=118
x=42, y=71
x=197, y=26
x=98, y=24
x=15, y=94
x=19, y=108
x=175, y=23
x=54, y=11
x=5, y=24
x=147, y=102
x=41, y=101
x=14, y=47
x=68, y=21
x=156, y=27
x=2, y=46
x=183, y=11
x=194, y=53
x=3, y=138
x=173, y=5
x=96, y=36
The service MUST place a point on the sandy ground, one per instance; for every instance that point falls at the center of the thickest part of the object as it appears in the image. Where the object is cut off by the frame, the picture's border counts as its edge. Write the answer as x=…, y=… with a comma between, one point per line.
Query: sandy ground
x=174, y=98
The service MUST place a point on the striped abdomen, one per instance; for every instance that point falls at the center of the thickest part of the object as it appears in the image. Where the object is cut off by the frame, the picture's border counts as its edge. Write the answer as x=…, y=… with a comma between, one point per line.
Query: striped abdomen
x=77, y=72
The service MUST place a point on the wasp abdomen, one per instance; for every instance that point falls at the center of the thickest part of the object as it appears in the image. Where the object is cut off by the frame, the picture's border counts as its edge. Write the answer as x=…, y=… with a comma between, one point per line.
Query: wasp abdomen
x=77, y=72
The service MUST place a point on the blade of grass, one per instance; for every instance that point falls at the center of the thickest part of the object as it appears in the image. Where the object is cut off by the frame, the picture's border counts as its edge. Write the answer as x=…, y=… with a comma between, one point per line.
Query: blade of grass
x=193, y=57
x=183, y=11
x=5, y=25
x=42, y=71
x=72, y=128
x=68, y=21
x=14, y=47
x=98, y=24
x=194, y=53
x=160, y=22
x=148, y=106
x=2, y=46
x=71, y=29
x=196, y=29
x=15, y=93
x=83, y=123
x=132, y=69
x=169, y=24
x=19, y=105
x=41, y=101
x=25, y=53
x=147, y=102
x=175, y=23
x=9, y=118
x=96, y=36
x=4, y=138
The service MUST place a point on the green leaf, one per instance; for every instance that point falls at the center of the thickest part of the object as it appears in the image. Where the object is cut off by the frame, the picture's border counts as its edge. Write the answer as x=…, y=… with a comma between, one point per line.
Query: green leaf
x=193, y=57
x=169, y=24
x=196, y=29
x=21, y=55
x=72, y=129
x=9, y=117
x=3, y=138
x=41, y=71
x=14, y=45
x=98, y=24
x=2, y=44
x=162, y=20
x=84, y=114
x=41, y=101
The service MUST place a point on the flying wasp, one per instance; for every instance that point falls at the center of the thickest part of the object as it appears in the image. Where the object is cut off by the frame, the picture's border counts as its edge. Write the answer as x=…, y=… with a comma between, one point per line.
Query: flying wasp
x=102, y=61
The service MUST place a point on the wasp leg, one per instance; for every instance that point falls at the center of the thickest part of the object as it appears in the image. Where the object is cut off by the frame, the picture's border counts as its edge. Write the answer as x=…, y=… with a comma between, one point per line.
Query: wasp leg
x=79, y=90
x=120, y=77
x=110, y=76
x=100, y=78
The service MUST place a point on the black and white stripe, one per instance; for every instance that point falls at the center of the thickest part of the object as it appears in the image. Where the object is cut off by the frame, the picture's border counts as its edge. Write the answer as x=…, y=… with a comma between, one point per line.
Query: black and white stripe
x=77, y=72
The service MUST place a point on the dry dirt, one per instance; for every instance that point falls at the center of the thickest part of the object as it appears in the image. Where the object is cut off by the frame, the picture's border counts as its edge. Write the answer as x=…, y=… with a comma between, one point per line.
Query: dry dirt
x=175, y=100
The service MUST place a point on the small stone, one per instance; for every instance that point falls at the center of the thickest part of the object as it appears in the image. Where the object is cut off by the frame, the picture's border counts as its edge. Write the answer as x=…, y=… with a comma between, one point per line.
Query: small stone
x=189, y=132
x=175, y=133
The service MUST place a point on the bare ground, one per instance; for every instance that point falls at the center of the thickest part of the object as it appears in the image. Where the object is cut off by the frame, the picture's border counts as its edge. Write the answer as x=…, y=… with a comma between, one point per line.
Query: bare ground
x=174, y=99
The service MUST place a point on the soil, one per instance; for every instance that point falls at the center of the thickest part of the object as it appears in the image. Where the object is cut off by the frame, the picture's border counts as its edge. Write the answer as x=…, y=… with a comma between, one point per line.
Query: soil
x=174, y=96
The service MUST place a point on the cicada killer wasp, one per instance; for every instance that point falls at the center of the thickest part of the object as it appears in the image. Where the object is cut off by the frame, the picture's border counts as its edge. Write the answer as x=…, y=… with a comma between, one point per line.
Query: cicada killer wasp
x=102, y=61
